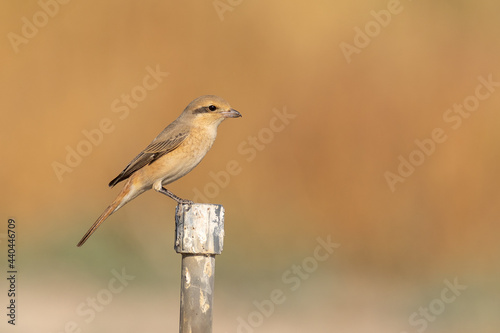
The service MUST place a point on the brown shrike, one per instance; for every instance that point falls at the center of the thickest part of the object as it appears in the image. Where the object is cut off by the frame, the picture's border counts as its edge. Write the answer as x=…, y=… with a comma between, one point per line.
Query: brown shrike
x=171, y=155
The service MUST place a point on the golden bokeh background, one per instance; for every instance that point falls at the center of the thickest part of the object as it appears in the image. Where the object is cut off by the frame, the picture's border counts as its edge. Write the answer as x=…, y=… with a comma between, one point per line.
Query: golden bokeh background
x=318, y=170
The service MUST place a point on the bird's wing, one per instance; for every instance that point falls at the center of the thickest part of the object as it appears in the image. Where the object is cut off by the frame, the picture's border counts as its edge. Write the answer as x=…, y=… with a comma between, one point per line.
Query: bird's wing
x=154, y=151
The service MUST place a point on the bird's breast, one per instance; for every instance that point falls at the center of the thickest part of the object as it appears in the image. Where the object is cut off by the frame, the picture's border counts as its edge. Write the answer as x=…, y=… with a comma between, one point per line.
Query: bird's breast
x=183, y=159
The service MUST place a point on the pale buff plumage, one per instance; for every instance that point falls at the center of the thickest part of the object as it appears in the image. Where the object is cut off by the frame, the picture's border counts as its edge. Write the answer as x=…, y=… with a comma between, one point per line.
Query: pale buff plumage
x=172, y=154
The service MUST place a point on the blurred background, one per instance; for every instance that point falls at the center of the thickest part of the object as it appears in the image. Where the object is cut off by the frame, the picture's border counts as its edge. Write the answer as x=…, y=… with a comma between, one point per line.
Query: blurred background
x=334, y=96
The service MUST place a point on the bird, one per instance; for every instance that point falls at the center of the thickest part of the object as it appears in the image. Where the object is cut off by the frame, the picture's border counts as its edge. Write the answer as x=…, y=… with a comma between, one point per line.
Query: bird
x=171, y=155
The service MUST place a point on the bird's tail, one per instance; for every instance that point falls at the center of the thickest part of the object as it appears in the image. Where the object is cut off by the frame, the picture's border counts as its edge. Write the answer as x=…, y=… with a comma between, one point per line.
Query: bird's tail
x=124, y=197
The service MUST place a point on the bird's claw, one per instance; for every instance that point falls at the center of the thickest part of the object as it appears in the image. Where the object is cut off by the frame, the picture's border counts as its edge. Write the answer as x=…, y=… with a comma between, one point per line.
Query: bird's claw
x=185, y=202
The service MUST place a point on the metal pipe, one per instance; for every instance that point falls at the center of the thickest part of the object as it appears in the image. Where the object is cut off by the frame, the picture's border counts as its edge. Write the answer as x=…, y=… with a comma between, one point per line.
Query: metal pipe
x=199, y=237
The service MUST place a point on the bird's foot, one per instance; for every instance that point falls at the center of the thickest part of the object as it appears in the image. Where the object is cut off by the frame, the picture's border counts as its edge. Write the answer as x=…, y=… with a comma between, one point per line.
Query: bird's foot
x=185, y=202
x=179, y=200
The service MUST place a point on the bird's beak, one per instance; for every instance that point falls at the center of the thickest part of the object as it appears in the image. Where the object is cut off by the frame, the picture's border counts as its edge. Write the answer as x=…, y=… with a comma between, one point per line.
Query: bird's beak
x=232, y=113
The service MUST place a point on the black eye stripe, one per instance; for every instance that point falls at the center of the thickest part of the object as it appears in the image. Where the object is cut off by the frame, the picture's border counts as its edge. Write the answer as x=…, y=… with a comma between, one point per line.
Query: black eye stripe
x=200, y=110
x=205, y=109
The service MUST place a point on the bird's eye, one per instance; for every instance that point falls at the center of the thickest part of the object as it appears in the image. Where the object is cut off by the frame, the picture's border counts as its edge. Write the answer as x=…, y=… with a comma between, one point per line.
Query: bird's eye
x=212, y=108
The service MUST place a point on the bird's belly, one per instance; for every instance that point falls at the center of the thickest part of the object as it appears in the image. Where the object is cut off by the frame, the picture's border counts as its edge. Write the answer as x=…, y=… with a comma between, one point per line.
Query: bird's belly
x=178, y=170
x=177, y=163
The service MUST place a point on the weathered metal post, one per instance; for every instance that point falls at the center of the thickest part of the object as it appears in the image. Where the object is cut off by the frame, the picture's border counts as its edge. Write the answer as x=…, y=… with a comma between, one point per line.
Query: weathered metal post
x=199, y=236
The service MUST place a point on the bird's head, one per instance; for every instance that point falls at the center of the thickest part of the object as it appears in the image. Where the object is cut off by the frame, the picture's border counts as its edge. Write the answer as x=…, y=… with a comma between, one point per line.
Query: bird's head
x=209, y=110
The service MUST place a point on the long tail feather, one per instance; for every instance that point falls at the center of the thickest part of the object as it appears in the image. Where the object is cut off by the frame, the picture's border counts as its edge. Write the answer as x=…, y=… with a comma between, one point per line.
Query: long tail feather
x=97, y=223
x=125, y=196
